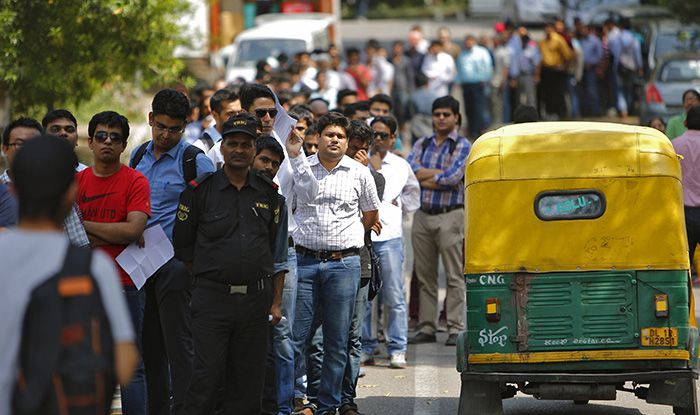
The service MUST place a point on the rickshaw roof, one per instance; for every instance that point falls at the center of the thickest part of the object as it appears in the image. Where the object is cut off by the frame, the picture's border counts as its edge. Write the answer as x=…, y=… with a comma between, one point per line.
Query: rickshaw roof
x=544, y=150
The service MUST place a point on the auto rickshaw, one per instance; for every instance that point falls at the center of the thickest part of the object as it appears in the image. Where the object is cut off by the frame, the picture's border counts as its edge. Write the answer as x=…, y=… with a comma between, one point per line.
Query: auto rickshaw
x=577, y=270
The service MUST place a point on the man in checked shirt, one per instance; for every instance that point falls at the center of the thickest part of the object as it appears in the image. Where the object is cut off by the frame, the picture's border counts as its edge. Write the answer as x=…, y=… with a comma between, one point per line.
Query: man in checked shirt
x=328, y=239
x=438, y=226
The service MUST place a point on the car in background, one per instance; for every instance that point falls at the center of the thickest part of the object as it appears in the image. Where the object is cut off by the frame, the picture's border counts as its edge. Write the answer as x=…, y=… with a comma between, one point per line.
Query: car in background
x=286, y=34
x=671, y=36
x=584, y=9
x=531, y=11
x=636, y=14
x=663, y=93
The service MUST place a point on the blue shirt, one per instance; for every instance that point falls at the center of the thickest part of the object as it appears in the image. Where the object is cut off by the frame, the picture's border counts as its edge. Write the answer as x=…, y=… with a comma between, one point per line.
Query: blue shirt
x=515, y=47
x=8, y=207
x=165, y=176
x=451, y=180
x=474, y=66
x=529, y=59
x=592, y=49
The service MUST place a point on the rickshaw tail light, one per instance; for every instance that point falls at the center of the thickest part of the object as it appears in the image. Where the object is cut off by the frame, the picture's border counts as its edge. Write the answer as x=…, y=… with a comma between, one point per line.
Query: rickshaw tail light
x=493, y=309
x=661, y=305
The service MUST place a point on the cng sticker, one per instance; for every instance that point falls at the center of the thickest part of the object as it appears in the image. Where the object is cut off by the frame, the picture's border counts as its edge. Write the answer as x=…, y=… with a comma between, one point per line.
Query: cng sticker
x=492, y=280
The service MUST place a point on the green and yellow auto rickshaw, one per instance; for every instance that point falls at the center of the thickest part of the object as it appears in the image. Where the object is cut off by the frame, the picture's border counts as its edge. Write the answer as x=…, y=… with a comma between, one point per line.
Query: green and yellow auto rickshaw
x=577, y=270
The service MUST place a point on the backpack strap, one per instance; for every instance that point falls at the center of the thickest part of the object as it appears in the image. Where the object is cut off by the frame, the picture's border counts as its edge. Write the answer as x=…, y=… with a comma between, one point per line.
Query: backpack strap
x=207, y=140
x=189, y=162
x=138, y=155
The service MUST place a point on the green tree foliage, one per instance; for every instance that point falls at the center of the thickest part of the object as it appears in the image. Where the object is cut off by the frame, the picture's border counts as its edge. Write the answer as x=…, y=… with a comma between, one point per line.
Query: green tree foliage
x=59, y=52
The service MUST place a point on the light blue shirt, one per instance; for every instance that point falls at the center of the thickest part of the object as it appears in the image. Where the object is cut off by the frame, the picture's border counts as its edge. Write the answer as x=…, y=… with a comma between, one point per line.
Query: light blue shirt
x=623, y=44
x=529, y=59
x=592, y=49
x=474, y=66
x=515, y=47
x=166, y=179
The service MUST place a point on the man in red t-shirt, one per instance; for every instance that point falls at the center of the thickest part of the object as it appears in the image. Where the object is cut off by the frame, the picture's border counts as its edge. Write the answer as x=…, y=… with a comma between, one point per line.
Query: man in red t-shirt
x=115, y=202
x=359, y=72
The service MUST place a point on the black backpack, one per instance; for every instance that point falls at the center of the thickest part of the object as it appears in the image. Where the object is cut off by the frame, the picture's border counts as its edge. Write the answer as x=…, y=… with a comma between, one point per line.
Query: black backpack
x=189, y=160
x=66, y=359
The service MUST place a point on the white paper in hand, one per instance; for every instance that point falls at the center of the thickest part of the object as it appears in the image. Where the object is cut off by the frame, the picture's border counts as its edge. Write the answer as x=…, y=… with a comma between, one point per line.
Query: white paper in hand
x=142, y=263
x=283, y=123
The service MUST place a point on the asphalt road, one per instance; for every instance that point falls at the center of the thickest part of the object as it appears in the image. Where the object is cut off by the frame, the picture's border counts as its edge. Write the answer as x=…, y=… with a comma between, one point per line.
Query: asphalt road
x=430, y=386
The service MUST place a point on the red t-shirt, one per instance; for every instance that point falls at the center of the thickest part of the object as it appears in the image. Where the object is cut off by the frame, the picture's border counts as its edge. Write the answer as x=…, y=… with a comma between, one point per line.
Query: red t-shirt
x=110, y=199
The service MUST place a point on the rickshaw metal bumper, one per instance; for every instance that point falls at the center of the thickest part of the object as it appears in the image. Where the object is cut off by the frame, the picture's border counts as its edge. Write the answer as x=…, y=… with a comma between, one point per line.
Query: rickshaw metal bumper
x=639, y=377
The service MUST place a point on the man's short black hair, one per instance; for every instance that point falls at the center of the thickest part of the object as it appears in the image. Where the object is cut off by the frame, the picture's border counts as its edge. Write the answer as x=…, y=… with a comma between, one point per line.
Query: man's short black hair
x=20, y=122
x=373, y=44
x=351, y=109
x=172, y=103
x=446, y=102
x=389, y=121
x=111, y=119
x=332, y=118
x=42, y=172
x=359, y=130
x=311, y=130
x=251, y=92
x=384, y=98
x=691, y=91
x=217, y=100
x=302, y=112
x=352, y=51
x=344, y=93
x=525, y=113
x=57, y=115
x=284, y=96
x=693, y=118
x=269, y=143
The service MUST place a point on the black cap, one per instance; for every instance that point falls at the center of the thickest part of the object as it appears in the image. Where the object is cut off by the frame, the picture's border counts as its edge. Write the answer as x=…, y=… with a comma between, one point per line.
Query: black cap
x=242, y=123
x=43, y=168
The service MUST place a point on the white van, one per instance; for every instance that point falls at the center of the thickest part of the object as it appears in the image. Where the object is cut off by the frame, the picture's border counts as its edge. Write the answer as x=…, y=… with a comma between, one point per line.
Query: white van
x=276, y=34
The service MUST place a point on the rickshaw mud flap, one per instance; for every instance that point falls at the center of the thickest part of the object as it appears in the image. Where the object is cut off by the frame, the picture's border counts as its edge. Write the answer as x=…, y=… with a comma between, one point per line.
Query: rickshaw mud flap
x=639, y=377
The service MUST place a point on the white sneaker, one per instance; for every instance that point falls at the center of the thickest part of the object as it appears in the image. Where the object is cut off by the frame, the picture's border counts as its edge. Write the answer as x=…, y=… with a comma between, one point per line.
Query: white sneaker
x=398, y=360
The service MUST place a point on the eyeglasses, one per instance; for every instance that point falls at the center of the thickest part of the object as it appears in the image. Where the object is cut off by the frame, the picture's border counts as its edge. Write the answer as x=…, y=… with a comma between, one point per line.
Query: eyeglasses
x=442, y=114
x=169, y=130
x=382, y=136
x=54, y=129
x=101, y=136
x=260, y=112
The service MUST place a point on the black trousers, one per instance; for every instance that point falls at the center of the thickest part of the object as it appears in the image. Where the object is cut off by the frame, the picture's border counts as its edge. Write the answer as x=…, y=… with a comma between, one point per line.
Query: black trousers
x=230, y=333
x=167, y=340
x=552, y=90
x=692, y=227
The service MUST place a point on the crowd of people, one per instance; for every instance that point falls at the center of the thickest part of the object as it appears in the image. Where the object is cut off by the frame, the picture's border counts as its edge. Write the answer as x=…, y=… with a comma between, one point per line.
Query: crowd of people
x=288, y=244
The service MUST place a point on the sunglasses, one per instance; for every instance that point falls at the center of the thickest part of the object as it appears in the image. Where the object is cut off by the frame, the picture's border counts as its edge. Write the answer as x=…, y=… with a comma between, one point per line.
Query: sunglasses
x=260, y=112
x=381, y=135
x=102, y=136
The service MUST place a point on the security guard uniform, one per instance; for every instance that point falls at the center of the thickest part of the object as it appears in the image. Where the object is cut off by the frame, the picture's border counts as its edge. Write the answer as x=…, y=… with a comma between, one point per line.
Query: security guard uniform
x=229, y=237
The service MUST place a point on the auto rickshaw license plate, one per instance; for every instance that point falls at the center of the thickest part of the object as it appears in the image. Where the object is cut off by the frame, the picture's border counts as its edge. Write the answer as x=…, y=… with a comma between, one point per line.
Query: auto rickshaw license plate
x=659, y=336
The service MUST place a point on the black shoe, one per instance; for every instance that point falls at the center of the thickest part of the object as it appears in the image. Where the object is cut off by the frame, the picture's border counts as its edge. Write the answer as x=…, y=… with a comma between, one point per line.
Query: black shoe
x=451, y=340
x=421, y=338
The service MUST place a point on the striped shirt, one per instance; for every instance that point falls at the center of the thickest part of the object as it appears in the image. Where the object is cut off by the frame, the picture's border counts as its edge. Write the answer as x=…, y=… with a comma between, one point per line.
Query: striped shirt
x=452, y=165
x=331, y=220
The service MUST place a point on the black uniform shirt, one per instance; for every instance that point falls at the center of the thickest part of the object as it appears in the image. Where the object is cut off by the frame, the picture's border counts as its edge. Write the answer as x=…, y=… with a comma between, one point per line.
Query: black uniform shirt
x=228, y=234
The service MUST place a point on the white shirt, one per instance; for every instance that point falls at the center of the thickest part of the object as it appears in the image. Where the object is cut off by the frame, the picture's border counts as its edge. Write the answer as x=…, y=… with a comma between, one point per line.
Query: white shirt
x=440, y=70
x=330, y=220
x=215, y=136
x=401, y=194
x=215, y=156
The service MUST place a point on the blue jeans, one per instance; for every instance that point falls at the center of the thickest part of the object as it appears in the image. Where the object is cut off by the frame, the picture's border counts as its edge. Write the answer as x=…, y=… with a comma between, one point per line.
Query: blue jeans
x=573, y=95
x=590, y=103
x=283, y=346
x=326, y=289
x=134, y=394
x=392, y=293
x=474, y=104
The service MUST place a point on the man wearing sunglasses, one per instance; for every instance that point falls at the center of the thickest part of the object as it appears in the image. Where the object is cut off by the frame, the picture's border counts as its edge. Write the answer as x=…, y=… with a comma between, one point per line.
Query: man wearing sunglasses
x=115, y=202
x=167, y=340
x=438, y=162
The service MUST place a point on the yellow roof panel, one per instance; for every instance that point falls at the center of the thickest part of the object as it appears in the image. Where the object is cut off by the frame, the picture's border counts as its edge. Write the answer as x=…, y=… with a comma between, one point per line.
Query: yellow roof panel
x=571, y=149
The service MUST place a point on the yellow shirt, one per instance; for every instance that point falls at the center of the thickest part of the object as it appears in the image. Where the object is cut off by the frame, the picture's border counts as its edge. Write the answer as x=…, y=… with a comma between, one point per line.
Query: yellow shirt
x=555, y=52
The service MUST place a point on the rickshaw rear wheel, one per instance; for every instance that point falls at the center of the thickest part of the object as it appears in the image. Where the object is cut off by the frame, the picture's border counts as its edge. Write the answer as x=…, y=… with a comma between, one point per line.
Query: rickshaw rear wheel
x=692, y=408
x=480, y=398
x=580, y=401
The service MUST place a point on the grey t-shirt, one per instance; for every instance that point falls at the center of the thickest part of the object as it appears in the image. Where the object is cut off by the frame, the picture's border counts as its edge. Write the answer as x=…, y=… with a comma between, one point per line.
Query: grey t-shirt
x=28, y=259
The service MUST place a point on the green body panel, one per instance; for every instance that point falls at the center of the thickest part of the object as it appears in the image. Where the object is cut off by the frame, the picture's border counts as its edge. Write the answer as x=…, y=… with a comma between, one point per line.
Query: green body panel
x=576, y=311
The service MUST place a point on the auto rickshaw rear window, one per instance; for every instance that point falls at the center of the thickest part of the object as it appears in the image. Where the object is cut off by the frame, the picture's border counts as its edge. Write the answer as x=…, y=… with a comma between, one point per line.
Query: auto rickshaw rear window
x=569, y=205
